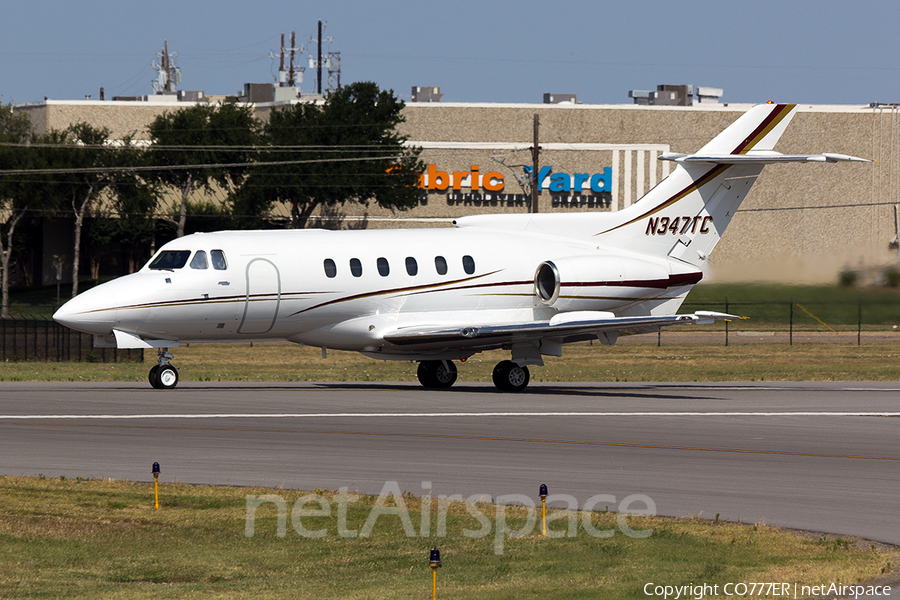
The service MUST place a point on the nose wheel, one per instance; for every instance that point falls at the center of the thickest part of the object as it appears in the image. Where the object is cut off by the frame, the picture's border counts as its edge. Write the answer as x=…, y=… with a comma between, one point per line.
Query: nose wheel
x=164, y=376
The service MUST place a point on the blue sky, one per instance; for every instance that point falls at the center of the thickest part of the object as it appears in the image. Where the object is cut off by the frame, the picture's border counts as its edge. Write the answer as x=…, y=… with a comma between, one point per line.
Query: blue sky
x=819, y=52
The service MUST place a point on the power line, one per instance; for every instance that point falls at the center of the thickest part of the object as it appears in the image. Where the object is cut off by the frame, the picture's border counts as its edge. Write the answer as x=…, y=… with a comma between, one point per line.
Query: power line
x=136, y=169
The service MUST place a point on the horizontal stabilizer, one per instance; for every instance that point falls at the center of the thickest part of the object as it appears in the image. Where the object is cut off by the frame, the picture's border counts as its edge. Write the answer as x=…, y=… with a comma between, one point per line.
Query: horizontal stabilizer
x=763, y=158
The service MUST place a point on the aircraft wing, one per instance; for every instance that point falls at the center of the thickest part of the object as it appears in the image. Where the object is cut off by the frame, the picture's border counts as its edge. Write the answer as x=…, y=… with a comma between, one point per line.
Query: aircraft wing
x=564, y=325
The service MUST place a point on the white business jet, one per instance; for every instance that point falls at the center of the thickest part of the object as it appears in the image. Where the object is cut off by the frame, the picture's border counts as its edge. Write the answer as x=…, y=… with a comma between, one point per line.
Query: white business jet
x=527, y=283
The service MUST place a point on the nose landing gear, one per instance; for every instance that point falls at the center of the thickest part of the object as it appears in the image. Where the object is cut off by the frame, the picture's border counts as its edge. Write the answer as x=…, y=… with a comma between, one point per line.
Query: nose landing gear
x=164, y=376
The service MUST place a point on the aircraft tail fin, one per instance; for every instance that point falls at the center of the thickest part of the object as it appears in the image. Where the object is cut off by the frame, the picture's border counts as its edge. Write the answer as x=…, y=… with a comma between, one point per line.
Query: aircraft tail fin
x=685, y=216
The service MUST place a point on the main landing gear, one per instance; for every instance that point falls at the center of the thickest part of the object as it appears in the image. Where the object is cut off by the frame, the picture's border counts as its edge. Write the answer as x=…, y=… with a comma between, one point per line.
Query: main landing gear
x=441, y=374
x=510, y=377
x=164, y=376
x=437, y=374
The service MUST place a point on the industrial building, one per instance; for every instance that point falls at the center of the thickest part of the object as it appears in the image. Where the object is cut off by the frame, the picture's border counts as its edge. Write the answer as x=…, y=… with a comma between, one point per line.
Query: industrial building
x=798, y=224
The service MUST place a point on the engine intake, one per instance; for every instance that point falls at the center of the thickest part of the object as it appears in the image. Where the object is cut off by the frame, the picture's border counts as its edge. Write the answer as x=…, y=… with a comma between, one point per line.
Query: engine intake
x=546, y=282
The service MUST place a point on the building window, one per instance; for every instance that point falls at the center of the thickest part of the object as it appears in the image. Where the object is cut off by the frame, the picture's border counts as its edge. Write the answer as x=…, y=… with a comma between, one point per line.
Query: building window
x=440, y=263
x=468, y=264
x=412, y=267
x=355, y=267
x=218, y=260
x=384, y=269
x=330, y=268
x=199, y=260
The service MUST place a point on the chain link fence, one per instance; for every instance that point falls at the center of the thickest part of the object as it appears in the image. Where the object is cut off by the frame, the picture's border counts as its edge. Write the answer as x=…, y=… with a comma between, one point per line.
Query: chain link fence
x=787, y=322
x=36, y=339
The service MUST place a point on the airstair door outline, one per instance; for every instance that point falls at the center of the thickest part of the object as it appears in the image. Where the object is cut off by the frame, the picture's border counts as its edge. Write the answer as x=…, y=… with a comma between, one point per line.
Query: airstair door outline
x=263, y=297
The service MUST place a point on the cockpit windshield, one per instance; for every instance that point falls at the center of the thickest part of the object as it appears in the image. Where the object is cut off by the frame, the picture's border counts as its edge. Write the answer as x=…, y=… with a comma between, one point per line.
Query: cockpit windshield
x=170, y=260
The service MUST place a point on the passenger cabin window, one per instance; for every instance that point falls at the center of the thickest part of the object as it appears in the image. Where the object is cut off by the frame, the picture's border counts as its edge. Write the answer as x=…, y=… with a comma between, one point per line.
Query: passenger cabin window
x=218, y=260
x=468, y=264
x=440, y=263
x=170, y=260
x=199, y=260
x=412, y=267
x=330, y=268
x=384, y=269
x=355, y=267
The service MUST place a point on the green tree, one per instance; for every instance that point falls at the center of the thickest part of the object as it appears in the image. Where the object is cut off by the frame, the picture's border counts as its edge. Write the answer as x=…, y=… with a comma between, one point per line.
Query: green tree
x=344, y=150
x=135, y=203
x=93, y=163
x=201, y=145
x=20, y=191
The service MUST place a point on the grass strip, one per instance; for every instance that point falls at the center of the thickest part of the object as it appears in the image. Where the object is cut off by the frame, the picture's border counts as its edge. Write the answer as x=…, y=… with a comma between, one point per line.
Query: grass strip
x=580, y=363
x=79, y=538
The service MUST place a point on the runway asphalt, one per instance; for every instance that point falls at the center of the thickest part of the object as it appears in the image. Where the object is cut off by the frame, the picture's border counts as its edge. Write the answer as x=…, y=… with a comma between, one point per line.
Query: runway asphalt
x=823, y=457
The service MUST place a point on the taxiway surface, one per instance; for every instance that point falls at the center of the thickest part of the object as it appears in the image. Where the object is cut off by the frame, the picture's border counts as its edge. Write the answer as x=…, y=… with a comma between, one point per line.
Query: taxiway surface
x=814, y=456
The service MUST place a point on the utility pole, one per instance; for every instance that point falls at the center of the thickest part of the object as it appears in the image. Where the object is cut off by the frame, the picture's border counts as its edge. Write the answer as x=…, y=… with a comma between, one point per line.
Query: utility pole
x=330, y=61
x=535, y=155
x=319, y=61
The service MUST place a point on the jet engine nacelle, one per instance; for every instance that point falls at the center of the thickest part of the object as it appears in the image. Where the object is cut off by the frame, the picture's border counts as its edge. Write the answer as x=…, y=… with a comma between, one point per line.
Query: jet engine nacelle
x=591, y=282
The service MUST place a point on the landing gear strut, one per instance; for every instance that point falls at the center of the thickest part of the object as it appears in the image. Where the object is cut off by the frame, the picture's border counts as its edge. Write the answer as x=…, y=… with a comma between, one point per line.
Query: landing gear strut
x=437, y=374
x=510, y=377
x=164, y=376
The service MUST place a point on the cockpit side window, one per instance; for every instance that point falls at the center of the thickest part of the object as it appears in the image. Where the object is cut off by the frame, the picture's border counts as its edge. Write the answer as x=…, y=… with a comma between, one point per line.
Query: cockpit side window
x=218, y=260
x=170, y=259
x=199, y=260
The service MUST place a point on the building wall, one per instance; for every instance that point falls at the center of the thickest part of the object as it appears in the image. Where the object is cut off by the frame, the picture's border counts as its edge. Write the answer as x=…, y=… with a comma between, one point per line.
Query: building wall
x=801, y=222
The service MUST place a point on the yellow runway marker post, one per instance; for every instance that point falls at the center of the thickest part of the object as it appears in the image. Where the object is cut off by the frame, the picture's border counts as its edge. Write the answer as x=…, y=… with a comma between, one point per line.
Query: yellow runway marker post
x=543, y=494
x=156, y=483
x=435, y=561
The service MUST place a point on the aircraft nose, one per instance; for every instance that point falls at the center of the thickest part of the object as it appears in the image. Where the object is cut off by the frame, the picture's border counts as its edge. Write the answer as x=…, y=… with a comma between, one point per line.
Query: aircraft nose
x=93, y=311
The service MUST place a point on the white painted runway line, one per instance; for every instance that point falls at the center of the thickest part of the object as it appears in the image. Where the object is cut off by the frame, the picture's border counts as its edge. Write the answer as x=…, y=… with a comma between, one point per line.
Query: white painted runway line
x=427, y=415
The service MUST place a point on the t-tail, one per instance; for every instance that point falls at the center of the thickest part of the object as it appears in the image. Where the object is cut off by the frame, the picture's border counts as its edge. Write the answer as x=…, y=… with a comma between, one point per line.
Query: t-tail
x=687, y=213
